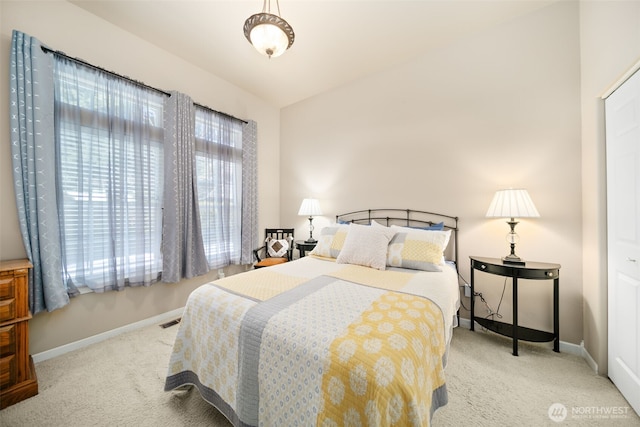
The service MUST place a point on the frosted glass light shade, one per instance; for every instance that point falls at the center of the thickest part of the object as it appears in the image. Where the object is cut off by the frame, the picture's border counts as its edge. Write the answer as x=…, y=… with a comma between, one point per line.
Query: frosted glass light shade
x=269, y=40
x=512, y=203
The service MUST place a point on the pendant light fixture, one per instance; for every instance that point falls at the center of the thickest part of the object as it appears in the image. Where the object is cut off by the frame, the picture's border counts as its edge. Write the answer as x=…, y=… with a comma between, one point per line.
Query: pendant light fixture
x=267, y=32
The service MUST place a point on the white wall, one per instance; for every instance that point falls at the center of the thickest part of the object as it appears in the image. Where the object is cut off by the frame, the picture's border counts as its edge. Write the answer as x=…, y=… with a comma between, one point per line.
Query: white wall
x=443, y=133
x=610, y=44
x=65, y=27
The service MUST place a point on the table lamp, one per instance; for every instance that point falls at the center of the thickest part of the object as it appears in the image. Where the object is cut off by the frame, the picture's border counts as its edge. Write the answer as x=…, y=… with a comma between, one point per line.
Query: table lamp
x=512, y=203
x=311, y=208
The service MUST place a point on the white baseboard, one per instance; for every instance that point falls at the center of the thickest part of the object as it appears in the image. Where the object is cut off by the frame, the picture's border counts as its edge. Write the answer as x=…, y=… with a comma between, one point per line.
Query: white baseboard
x=575, y=349
x=58, y=351
x=464, y=323
x=565, y=347
x=587, y=357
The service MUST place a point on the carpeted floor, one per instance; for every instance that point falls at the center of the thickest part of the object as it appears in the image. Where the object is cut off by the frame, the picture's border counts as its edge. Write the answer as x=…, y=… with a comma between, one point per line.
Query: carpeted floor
x=119, y=382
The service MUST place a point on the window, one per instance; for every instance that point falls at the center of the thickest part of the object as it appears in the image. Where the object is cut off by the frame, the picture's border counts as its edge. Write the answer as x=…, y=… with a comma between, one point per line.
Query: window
x=219, y=185
x=110, y=172
x=104, y=178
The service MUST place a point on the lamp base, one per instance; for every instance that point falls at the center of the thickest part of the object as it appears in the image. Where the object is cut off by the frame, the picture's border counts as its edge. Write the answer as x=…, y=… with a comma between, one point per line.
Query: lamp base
x=514, y=260
x=311, y=241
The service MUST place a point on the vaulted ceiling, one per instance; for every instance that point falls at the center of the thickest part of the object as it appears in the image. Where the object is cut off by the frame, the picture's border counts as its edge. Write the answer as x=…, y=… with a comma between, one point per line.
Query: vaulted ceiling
x=336, y=42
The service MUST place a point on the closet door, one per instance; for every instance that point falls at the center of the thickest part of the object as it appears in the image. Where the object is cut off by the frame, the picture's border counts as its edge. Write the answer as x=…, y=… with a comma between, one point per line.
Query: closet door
x=622, y=109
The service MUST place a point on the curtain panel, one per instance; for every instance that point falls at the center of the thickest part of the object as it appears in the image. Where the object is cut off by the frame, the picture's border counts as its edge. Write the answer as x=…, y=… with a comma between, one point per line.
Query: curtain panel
x=249, y=191
x=182, y=247
x=31, y=100
x=109, y=136
x=219, y=177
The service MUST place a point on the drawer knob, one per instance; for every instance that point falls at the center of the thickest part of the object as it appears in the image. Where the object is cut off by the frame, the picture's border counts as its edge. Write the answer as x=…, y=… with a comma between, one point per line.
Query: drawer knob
x=550, y=273
x=483, y=266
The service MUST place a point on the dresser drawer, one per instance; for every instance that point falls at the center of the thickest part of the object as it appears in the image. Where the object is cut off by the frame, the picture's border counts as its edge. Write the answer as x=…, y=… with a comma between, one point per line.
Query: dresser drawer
x=7, y=310
x=7, y=288
x=13, y=295
x=8, y=370
x=8, y=339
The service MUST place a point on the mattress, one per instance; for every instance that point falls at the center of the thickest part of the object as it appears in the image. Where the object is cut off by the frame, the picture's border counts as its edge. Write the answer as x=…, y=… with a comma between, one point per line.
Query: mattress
x=314, y=342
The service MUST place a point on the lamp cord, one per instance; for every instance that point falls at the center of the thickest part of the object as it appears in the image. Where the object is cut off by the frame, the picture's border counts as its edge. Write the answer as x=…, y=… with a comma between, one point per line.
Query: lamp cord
x=495, y=313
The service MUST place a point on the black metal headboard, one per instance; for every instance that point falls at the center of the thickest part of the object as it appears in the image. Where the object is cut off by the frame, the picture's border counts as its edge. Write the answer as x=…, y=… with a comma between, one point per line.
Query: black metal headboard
x=406, y=218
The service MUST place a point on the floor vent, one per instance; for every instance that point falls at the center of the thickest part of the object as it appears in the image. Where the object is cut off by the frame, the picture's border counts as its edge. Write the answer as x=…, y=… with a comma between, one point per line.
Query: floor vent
x=171, y=323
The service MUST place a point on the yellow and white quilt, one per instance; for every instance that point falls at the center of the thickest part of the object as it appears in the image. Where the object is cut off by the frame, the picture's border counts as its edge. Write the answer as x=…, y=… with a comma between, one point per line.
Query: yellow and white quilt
x=312, y=342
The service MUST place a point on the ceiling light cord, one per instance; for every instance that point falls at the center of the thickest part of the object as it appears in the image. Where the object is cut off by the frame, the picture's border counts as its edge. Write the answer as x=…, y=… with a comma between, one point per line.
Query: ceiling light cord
x=266, y=7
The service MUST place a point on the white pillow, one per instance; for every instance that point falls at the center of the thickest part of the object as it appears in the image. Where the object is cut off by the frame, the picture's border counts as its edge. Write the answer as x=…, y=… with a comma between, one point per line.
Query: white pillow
x=367, y=246
x=277, y=248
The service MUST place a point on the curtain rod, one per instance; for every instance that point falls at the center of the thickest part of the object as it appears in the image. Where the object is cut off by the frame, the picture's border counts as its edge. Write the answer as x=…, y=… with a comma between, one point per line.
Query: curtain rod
x=136, y=82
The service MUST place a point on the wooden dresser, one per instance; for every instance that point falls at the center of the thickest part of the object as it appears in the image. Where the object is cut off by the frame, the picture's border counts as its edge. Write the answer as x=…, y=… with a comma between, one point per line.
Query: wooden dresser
x=17, y=374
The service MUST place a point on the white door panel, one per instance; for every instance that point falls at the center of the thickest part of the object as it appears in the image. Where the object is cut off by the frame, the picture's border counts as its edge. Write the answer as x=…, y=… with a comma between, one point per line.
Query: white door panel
x=626, y=302
x=623, y=231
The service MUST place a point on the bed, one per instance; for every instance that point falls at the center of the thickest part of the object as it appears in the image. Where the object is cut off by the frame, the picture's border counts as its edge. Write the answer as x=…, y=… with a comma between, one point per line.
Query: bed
x=355, y=333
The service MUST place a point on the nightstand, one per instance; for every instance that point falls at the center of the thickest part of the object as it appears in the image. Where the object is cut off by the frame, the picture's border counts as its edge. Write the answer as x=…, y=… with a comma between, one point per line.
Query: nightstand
x=304, y=246
x=18, y=376
x=530, y=271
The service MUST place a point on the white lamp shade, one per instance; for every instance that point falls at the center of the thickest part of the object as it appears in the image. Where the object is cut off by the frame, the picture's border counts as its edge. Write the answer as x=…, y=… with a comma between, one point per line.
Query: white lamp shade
x=512, y=203
x=269, y=40
x=310, y=207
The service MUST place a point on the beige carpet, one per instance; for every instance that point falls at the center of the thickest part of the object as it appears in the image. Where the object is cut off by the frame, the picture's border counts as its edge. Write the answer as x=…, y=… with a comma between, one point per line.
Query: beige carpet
x=119, y=382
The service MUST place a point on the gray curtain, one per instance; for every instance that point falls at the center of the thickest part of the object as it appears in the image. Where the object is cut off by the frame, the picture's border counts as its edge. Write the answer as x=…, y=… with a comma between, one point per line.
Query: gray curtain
x=182, y=247
x=31, y=94
x=249, y=191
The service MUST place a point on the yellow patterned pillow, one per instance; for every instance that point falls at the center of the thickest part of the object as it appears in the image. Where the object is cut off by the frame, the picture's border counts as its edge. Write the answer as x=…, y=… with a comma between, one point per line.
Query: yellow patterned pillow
x=330, y=241
x=418, y=250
